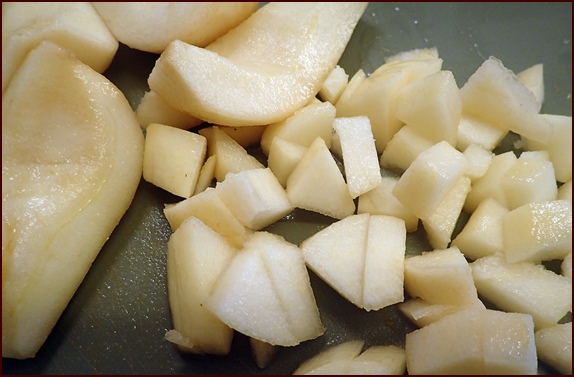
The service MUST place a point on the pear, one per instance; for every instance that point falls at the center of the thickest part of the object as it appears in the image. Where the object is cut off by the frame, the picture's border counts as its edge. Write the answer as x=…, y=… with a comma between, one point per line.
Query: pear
x=262, y=71
x=72, y=153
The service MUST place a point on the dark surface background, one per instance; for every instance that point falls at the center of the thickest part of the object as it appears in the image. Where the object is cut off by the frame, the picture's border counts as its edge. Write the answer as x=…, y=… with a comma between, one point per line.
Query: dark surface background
x=116, y=321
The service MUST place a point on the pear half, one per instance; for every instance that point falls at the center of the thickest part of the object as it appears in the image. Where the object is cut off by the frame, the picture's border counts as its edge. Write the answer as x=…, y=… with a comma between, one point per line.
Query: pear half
x=262, y=71
x=72, y=153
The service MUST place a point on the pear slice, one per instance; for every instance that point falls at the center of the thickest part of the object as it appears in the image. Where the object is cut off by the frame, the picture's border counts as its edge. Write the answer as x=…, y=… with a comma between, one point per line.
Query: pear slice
x=262, y=71
x=72, y=153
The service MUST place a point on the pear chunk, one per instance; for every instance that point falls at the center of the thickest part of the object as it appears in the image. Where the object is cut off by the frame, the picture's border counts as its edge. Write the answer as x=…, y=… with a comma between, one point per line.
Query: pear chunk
x=265, y=293
x=262, y=71
x=72, y=153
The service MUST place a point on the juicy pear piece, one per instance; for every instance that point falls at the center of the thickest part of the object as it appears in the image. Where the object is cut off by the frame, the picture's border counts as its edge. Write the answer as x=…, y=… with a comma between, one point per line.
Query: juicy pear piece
x=429, y=179
x=154, y=109
x=493, y=93
x=334, y=85
x=72, y=154
x=474, y=341
x=316, y=184
x=488, y=186
x=554, y=346
x=524, y=288
x=533, y=78
x=376, y=96
x=362, y=258
x=403, y=148
x=262, y=71
x=360, y=158
x=173, y=158
x=414, y=54
x=152, y=26
x=265, y=293
x=432, y=106
x=440, y=225
x=440, y=277
x=474, y=130
x=210, y=208
x=231, y=157
x=482, y=234
x=75, y=26
x=303, y=127
x=381, y=201
x=536, y=232
x=559, y=146
x=530, y=179
x=283, y=157
x=255, y=197
x=196, y=256
x=344, y=351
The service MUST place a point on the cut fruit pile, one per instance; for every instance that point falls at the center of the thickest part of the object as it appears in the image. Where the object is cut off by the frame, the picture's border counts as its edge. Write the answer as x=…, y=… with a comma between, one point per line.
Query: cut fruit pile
x=254, y=119
x=386, y=150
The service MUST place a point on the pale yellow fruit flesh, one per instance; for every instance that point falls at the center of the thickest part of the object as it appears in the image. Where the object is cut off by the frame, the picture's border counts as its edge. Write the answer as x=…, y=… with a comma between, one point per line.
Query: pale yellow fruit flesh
x=71, y=162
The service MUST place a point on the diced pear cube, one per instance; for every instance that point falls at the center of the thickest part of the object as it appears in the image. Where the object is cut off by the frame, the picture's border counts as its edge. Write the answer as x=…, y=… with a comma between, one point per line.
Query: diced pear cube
x=432, y=106
x=361, y=257
x=474, y=341
x=554, y=346
x=538, y=231
x=231, y=157
x=473, y=130
x=244, y=136
x=359, y=154
x=385, y=360
x=154, y=109
x=482, y=233
x=255, y=197
x=208, y=207
x=381, y=201
x=429, y=179
x=478, y=159
x=493, y=94
x=533, y=78
x=334, y=85
x=283, y=157
x=565, y=191
x=403, y=148
x=488, y=186
x=283, y=310
x=316, y=184
x=559, y=146
x=524, y=288
x=196, y=256
x=440, y=277
x=440, y=225
x=530, y=179
x=303, y=127
x=352, y=86
x=173, y=158
x=376, y=96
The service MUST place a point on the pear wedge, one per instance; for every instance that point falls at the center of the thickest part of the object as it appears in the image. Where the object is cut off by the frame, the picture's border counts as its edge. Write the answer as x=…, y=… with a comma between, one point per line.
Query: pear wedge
x=262, y=71
x=72, y=153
